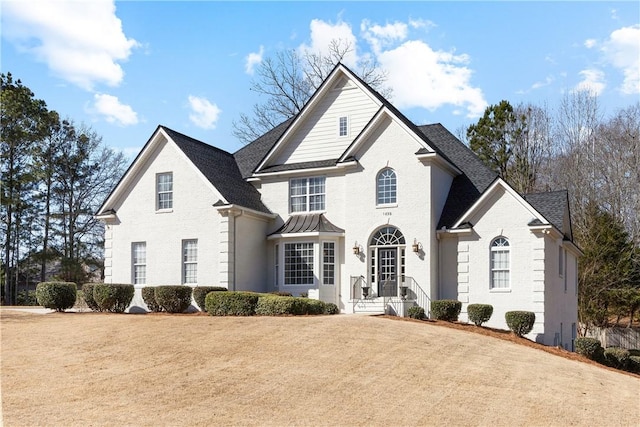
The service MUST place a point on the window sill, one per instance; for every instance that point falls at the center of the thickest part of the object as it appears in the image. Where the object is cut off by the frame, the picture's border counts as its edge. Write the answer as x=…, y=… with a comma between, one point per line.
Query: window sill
x=390, y=205
x=500, y=290
x=161, y=211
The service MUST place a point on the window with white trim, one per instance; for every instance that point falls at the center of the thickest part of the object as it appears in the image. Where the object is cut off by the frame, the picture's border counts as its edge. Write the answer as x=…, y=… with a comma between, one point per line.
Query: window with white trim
x=298, y=264
x=328, y=263
x=500, y=263
x=307, y=194
x=386, y=187
x=139, y=263
x=164, y=190
x=343, y=126
x=189, y=261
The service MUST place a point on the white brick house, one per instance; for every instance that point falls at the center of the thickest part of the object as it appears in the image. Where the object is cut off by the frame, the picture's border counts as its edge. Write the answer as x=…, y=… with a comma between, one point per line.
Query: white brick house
x=350, y=202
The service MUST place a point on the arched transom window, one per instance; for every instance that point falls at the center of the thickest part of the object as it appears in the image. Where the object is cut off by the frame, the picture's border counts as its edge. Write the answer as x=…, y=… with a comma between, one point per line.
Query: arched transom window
x=387, y=236
x=386, y=187
x=500, y=263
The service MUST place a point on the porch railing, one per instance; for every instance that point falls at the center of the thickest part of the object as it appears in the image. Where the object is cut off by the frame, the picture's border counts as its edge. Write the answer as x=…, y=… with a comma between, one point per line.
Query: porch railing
x=406, y=288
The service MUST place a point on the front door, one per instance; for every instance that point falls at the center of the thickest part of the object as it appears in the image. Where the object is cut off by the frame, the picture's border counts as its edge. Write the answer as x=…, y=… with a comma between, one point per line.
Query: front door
x=387, y=272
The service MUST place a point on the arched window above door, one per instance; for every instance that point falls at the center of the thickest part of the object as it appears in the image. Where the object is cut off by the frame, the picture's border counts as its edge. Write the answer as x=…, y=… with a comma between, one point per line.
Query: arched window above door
x=387, y=236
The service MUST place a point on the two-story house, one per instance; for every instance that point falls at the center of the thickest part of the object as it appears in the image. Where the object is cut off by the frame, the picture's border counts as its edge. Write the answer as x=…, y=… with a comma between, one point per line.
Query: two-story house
x=349, y=202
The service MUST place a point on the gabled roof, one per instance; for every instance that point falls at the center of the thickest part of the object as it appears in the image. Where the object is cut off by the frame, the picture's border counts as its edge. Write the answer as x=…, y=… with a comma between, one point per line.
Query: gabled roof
x=466, y=188
x=221, y=169
x=552, y=206
x=249, y=156
x=217, y=166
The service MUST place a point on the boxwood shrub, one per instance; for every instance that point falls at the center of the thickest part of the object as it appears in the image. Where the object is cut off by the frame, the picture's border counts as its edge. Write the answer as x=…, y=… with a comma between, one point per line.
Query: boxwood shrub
x=446, y=309
x=617, y=357
x=520, y=322
x=87, y=295
x=313, y=306
x=113, y=297
x=200, y=292
x=416, y=312
x=274, y=305
x=231, y=303
x=149, y=298
x=56, y=295
x=173, y=299
x=331, y=308
x=479, y=313
x=634, y=364
x=590, y=348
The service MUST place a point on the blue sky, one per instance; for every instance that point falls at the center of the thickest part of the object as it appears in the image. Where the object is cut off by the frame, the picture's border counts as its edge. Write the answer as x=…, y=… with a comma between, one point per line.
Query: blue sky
x=125, y=67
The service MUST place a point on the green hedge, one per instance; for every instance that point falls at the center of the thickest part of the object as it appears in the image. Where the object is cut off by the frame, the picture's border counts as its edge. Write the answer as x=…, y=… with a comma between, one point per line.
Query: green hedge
x=446, y=309
x=274, y=305
x=26, y=298
x=56, y=295
x=479, y=313
x=87, y=295
x=200, y=292
x=231, y=303
x=617, y=357
x=331, y=308
x=113, y=297
x=520, y=322
x=416, y=312
x=634, y=364
x=173, y=299
x=149, y=298
x=590, y=348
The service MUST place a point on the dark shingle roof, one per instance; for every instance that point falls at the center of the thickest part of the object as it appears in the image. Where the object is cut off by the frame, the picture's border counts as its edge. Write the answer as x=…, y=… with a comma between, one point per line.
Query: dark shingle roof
x=249, y=156
x=465, y=188
x=220, y=168
x=302, y=165
x=317, y=223
x=552, y=206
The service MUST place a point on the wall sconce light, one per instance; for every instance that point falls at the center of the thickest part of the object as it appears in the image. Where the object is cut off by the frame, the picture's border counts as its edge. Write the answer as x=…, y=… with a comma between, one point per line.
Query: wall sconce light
x=356, y=248
x=417, y=246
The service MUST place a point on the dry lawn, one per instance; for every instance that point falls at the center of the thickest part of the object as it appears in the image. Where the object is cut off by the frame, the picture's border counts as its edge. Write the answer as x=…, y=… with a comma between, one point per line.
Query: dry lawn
x=103, y=369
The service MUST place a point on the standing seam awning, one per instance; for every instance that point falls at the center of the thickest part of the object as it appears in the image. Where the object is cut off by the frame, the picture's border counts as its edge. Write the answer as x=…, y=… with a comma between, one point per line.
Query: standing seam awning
x=309, y=223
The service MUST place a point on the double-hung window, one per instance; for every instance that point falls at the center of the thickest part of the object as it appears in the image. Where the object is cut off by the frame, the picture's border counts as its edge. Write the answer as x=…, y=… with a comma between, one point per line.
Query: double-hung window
x=500, y=263
x=307, y=194
x=139, y=262
x=164, y=190
x=189, y=261
x=298, y=264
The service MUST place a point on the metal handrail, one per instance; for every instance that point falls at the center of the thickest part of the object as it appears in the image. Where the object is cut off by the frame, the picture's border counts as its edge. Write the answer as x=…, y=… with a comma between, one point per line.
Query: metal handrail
x=413, y=292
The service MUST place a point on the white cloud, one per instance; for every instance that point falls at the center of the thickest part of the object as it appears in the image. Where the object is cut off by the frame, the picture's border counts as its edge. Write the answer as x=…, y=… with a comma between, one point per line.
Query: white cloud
x=592, y=81
x=113, y=110
x=422, y=77
x=253, y=59
x=589, y=43
x=81, y=42
x=204, y=114
x=323, y=33
x=622, y=51
x=382, y=36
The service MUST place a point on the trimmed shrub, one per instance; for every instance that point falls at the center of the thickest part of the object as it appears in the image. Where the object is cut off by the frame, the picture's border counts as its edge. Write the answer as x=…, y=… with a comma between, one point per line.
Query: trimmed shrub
x=149, y=298
x=331, y=308
x=56, y=295
x=446, y=309
x=590, y=348
x=231, y=303
x=201, y=292
x=479, y=313
x=617, y=357
x=634, y=364
x=87, y=295
x=113, y=297
x=26, y=298
x=282, y=294
x=520, y=322
x=416, y=312
x=173, y=299
x=274, y=305
x=313, y=306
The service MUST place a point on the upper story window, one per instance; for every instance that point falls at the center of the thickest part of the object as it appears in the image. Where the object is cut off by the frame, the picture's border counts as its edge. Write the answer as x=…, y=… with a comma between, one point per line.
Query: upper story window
x=386, y=187
x=343, y=126
x=164, y=190
x=500, y=263
x=307, y=194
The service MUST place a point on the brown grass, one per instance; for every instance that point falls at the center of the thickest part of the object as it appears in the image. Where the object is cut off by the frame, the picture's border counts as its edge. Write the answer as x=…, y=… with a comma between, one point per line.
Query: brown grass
x=105, y=369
